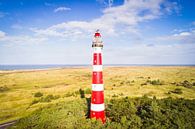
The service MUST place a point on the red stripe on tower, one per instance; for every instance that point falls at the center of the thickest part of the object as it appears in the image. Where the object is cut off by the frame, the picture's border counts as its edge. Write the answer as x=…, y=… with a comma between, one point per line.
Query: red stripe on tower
x=97, y=77
x=97, y=98
x=97, y=59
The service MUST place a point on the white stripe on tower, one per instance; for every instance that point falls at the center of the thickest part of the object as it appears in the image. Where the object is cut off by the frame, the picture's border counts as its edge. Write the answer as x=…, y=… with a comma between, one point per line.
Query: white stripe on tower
x=97, y=68
x=97, y=87
x=97, y=50
x=97, y=107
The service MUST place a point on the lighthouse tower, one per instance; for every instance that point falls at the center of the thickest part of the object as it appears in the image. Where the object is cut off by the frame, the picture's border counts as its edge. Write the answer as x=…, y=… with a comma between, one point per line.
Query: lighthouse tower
x=97, y=97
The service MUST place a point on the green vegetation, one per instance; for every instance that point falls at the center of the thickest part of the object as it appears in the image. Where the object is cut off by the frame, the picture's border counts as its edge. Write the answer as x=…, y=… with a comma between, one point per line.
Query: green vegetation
x=122, y=113
x=87, y=91
x=3, y=89
x=186, y=84
x=177, y=91
x=48, y=98
x=155, y=82
x=38, y=94
x=24, y=92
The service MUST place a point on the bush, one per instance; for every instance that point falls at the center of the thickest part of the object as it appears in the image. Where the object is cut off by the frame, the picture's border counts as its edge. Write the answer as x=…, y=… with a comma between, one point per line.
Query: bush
x=88, y=91
x=143, y=84
x=151, y=113
x=115, y=95
x=69, y=94
x=48, y=98
x=3, y=88
x=186, y=84
x=177, y=91
x=34, y=101
x=128, y=82
x=122, y=113
x=38, y=94
x=122, y=83
x=155, y=82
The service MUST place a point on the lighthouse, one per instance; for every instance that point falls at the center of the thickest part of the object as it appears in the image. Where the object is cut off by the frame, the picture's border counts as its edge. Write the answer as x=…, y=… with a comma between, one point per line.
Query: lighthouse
x=97, y=98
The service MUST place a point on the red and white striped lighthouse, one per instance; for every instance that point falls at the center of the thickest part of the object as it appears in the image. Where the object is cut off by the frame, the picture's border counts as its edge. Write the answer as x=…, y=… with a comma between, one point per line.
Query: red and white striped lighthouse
x=97, y=97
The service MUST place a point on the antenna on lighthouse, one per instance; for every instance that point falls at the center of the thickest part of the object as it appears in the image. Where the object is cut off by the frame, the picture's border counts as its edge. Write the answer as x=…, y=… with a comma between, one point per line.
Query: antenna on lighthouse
x=97, y=96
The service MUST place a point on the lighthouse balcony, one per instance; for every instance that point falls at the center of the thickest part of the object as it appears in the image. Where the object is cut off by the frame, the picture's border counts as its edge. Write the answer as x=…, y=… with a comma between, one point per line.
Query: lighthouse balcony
x=95, y=44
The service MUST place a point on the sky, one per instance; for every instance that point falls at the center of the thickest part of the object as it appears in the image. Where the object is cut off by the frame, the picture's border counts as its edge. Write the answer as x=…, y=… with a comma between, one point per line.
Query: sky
x=61, y=31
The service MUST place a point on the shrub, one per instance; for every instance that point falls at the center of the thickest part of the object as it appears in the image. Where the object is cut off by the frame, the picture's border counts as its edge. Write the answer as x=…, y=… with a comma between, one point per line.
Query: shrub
x=143, y=84
x=155, y=82
x=77, y=92
x=69, y=94
x=82, y=93
x=88, y=91
x=121, y=94
x=173, y=83
x=177, y=91
x=38, y=94
x=185, y=83
x=115, y=95
x=3, y=88
x=122, y=83
x=48, y=98
x=128, y=82
x=121, y=113
x=34, y=101
x=56, y=96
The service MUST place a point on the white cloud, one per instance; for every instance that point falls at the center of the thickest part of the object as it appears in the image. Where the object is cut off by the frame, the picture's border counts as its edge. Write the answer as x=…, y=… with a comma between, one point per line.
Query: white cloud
x=158, y=54
x=106, y=3
x=181, y=37
x=59, y=9
x=114, y=21
x=183, y=34
x=22, y=39
x=2, y=35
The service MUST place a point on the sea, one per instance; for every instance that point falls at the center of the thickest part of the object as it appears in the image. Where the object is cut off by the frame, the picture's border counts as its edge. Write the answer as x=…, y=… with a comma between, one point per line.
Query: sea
x=46, y=66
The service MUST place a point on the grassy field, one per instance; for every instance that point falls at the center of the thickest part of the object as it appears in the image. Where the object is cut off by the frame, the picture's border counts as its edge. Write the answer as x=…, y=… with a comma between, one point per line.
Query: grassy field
x=22, y=92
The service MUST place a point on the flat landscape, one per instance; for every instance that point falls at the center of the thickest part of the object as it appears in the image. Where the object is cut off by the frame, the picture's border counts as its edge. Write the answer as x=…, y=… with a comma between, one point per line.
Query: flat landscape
x=22, y=92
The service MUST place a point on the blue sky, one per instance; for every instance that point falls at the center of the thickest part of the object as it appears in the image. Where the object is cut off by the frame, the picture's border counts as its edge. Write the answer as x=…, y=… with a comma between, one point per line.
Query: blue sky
x=61, y=31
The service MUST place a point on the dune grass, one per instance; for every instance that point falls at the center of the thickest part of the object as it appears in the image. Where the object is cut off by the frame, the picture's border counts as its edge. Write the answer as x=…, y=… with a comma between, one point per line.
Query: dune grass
x=18, y=88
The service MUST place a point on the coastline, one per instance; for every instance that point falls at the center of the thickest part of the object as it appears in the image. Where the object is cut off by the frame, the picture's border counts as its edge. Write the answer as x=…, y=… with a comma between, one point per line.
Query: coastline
x=88, y=67
x=42, y=69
